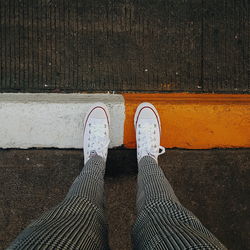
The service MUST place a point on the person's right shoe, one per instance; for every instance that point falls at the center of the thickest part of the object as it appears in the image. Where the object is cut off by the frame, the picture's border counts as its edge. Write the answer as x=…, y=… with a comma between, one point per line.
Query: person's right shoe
x=148, y=130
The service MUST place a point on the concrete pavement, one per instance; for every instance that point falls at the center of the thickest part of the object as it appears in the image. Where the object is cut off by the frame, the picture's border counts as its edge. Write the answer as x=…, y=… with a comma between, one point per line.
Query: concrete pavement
x=213, y=184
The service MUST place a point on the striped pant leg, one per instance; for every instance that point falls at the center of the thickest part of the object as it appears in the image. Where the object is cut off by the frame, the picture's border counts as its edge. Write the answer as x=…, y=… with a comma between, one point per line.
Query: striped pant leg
x=78, y=222
x=162, y=222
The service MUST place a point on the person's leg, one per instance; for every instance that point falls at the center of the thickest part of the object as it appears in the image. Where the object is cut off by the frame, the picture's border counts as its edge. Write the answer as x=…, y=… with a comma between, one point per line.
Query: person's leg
x=162, y=222
x=78, y=222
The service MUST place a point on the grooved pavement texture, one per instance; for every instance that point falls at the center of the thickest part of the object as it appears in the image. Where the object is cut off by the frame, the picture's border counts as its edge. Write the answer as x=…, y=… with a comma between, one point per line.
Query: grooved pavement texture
x=124, y=45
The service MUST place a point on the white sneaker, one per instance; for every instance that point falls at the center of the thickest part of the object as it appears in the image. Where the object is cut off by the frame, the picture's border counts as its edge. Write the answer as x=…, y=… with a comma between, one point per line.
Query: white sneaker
x=148, y=130
x=96, y=132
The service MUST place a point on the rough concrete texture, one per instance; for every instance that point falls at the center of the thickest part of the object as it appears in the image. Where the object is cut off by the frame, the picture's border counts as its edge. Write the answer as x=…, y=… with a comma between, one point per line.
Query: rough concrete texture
x=125, y=45
x=214, y=184
x=54, y=120
x=212, y=120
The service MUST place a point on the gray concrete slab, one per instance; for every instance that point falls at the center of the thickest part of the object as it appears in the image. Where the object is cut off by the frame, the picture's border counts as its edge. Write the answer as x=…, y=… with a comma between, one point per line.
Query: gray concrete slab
x=125, y=45
x=214, y=184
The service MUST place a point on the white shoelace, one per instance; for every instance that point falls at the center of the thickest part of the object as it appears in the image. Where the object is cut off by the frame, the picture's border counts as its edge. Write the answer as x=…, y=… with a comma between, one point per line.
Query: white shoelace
x=97, y=141
x=147, y=141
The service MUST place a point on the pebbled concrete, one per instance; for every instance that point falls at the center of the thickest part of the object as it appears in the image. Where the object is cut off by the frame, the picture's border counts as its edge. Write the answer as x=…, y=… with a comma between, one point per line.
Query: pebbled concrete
x=214, y=184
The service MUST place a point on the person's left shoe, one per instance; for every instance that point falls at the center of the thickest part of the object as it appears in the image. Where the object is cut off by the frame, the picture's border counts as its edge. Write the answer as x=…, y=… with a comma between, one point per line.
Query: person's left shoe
x=96, y=132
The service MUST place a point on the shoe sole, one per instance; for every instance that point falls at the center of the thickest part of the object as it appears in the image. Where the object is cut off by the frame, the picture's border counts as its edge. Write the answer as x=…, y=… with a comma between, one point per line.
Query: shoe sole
x=150, y=106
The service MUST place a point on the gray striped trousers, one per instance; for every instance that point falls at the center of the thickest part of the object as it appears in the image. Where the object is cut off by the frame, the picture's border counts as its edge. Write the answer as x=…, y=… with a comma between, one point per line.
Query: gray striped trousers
x=78, y=222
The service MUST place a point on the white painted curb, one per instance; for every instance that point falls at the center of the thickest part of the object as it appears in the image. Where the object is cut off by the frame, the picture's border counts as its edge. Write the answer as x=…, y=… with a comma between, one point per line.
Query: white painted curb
x=54, y=120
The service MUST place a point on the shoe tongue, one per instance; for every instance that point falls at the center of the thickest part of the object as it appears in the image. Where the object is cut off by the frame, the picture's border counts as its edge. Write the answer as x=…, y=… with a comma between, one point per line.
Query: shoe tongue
x=152, y=156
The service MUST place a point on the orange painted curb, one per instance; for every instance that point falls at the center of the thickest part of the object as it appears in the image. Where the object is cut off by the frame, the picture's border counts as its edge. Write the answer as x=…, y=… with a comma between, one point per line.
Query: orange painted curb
x=195, y=121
